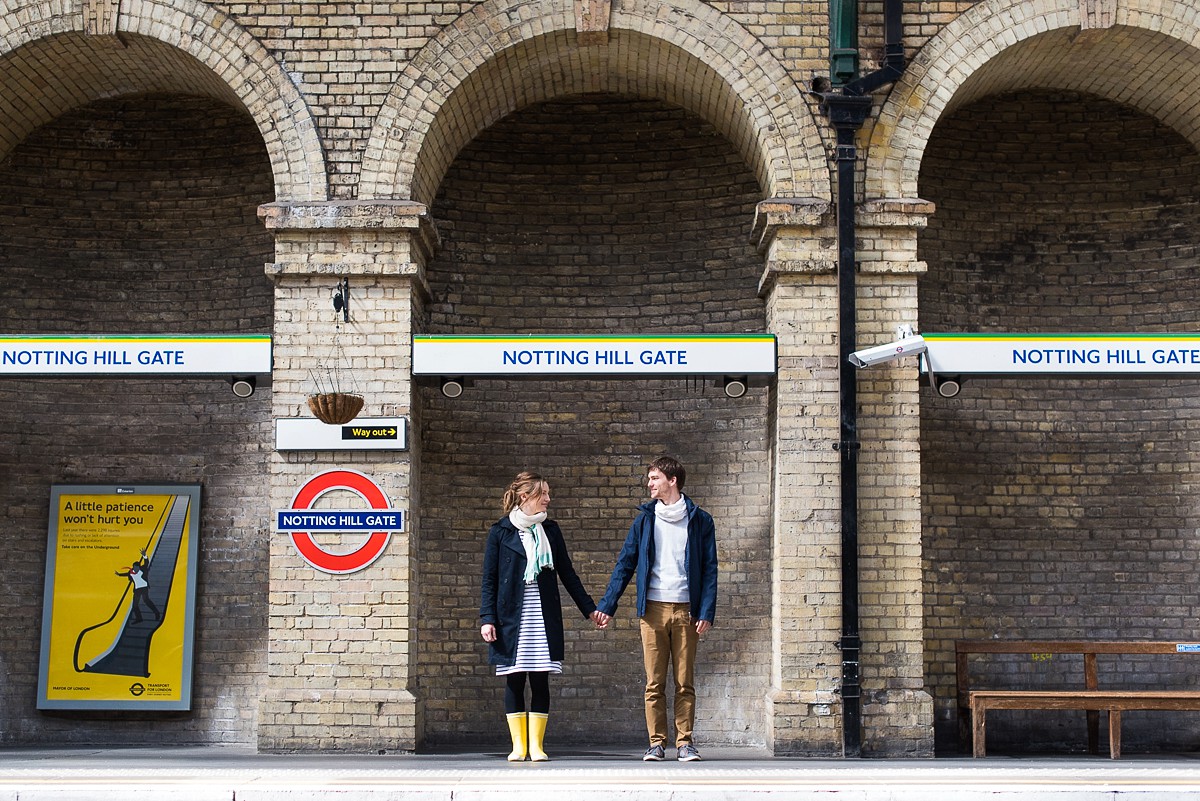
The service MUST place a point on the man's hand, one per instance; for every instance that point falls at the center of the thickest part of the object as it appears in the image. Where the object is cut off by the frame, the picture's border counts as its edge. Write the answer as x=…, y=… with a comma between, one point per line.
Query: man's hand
x=702, y=626
x=488, y=632
x=600, y=619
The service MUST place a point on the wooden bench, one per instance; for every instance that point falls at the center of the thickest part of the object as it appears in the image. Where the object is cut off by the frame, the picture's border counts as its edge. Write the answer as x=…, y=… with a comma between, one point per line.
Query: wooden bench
x=1112, y=701
x=965, y=649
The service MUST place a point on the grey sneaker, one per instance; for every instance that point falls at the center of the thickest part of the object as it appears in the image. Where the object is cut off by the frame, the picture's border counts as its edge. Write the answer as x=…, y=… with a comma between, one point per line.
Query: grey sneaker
x=688, y=753
x=654, y=753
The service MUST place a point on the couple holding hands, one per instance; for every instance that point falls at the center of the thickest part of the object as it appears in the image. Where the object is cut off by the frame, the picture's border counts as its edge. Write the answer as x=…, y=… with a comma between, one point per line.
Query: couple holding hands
x=671, y=548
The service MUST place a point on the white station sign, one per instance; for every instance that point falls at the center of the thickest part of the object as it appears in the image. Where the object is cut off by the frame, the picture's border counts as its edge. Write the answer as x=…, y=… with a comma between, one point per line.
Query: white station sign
x=685, y=354
x=1058, y=354
x=246, y=354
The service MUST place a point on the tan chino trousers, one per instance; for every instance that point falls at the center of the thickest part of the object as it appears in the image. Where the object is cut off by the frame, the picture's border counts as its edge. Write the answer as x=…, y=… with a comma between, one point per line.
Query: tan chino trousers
x=669, y=635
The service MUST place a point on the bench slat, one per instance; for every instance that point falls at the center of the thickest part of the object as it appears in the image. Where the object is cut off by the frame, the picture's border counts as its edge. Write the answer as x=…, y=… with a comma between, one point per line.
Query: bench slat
x=1086, y=699
x=1068, y=646
x=1110, y=693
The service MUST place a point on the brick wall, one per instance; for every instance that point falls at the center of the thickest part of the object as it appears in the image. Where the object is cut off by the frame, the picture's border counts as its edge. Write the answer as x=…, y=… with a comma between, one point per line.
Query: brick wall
x=1060, y=509
x=572, y=216
x=138, y=216
x=589, y=214
x=346, y=56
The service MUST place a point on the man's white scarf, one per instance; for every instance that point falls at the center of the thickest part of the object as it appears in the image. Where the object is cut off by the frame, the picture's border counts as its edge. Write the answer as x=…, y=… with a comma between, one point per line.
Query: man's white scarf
x=537, y=544
x=672, y=513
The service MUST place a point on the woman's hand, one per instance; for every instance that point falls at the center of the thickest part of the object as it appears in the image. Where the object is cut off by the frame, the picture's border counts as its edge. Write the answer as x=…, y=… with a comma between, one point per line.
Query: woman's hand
x=488, y=632
x=600, y=619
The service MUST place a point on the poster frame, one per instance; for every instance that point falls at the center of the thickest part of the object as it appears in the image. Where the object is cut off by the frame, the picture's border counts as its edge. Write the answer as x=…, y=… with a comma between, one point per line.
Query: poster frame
x=187, y=652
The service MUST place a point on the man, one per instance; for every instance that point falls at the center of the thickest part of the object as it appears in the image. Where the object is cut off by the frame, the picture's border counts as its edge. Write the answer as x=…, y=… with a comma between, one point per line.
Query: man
x=672, y=547
x=137, y=575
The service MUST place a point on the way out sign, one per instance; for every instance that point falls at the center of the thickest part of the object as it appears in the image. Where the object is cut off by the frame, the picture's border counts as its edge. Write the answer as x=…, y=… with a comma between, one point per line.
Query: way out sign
x=376, y=522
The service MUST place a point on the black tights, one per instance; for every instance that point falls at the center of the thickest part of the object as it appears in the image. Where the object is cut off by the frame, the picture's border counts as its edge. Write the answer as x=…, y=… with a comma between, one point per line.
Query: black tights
x=514, y=692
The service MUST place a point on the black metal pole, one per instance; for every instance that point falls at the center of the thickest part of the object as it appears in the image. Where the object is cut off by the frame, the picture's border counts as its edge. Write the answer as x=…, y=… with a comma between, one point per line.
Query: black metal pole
x=851, y=643
x=847, y=110
x=847, y=113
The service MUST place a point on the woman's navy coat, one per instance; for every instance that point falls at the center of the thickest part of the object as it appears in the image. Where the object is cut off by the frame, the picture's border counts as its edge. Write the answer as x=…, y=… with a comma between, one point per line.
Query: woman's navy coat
x=504, y=590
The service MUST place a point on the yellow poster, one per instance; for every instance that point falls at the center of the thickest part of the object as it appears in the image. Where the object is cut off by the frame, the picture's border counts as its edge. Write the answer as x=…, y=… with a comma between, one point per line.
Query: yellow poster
x=118, y=613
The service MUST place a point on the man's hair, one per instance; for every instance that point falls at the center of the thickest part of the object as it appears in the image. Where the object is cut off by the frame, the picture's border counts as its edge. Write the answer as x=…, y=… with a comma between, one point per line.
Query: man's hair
x=671, y=468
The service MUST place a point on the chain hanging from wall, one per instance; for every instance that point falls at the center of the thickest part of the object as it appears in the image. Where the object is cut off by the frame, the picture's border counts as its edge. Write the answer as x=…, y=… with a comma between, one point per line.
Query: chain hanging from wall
x=336, y=400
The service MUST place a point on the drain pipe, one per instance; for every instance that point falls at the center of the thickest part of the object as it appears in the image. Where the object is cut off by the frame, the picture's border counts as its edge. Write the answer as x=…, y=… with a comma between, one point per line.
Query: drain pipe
x=847, y=110
x=847, y=114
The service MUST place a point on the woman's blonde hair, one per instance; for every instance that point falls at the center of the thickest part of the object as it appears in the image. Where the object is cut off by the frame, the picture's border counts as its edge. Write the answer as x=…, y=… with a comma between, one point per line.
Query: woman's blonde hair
x=527, y=482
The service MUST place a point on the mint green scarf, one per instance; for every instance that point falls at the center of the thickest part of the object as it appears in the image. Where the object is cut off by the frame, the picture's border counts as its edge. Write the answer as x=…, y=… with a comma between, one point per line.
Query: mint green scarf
x=537, y=544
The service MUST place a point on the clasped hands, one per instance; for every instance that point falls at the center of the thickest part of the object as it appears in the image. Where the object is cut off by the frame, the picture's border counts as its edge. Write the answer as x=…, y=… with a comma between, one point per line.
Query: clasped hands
x=601, y=620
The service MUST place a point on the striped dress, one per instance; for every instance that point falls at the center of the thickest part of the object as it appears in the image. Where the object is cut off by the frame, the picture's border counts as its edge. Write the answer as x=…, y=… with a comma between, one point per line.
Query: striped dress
x=533, y=652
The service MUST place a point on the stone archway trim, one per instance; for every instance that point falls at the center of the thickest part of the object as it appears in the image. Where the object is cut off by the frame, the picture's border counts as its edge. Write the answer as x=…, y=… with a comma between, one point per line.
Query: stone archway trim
x=214, y=39
x=979, y=35
x=760, y=107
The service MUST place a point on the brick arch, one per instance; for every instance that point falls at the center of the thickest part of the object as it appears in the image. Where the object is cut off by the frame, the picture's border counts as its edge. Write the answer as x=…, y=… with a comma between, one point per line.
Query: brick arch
x=175, y=46
x=505, y=55
x=1149, y=60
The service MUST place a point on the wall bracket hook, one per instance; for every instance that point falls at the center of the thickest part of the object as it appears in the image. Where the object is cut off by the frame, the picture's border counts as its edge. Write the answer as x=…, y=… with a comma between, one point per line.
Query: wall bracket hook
x=341, y=299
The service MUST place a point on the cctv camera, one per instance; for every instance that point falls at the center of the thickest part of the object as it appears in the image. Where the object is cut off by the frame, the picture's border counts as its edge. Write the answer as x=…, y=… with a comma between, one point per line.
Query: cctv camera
x=909, y=346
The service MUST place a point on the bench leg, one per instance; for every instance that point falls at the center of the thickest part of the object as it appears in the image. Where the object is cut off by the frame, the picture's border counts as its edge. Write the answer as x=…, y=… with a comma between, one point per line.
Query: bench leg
x=979, y=731
x=1091, y=682
x=1114, y=733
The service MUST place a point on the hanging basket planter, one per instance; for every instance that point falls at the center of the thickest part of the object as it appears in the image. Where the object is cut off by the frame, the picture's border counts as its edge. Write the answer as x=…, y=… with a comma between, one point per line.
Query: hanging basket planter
x=335, y=408
x=335, y=399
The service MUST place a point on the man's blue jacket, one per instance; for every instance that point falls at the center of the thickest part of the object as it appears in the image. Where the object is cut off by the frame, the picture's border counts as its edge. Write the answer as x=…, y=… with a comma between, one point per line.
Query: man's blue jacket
x=637, y=555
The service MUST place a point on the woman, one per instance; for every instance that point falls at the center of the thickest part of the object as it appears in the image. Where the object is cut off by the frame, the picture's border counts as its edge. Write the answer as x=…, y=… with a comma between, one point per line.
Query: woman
x=521, y=611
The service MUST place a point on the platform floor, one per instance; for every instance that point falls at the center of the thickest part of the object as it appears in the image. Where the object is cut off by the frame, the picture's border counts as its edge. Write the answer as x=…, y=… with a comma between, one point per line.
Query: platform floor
x=212, y=773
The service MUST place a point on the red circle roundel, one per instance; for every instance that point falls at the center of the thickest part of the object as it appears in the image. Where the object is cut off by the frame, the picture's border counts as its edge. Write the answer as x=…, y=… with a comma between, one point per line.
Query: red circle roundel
x=362, y=486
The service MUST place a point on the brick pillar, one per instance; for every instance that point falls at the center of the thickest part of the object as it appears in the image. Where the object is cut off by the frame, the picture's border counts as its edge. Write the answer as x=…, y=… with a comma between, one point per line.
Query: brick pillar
x=798, y=240
x=341, y=670
x=897, y=711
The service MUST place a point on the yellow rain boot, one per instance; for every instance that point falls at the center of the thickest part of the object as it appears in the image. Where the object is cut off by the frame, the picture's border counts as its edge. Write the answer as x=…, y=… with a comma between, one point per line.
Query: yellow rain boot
x=516, y=728
x=537, y=733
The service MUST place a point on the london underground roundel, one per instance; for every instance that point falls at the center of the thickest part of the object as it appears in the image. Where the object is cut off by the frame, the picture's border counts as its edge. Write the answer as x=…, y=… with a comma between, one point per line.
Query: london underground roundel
x=378, y=521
